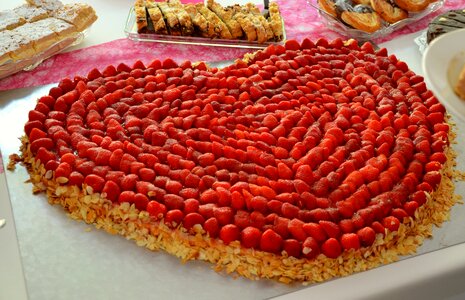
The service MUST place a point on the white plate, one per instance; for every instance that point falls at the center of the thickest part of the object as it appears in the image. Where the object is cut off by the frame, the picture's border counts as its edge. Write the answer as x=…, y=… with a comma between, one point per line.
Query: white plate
x=439, y=60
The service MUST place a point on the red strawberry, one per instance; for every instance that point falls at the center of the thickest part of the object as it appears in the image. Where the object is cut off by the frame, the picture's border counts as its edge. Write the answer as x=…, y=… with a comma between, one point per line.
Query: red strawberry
x=391, y=223
x=331, y=229
x=350, y=241
x=366, y=236
x=315, y=230
x=211, y=227
x=155, y=209
x=295, y=227
x=111, y=190
x=173, y=218
x=310, y=248
x=292, y=247
x=76, y=178
x=63, y=170
x=331, y=248
x=271, y=241
x=229, y=233
x=96, y=182
x=250, y=237
x=192, y=219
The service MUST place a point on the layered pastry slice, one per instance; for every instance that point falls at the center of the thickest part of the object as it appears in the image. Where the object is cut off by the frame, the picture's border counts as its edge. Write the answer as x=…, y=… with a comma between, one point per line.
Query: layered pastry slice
x=169, y=15
x=362, y=17
x=30, y=13
x=187, y=28
x=79, y=14
x=255, y=11
x=49, y=5
x=276, y=21
x=227, y=17
x=220, y=27
x=243, y=13
x=155, y=17
x=10, y=20
x=15, y=46
x=246, y=24
x=202, y=26
x=446, y=22
x=141, y=16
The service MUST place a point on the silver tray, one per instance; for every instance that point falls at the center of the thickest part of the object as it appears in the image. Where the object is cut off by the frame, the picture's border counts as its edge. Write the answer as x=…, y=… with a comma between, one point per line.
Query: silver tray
x=131, y=32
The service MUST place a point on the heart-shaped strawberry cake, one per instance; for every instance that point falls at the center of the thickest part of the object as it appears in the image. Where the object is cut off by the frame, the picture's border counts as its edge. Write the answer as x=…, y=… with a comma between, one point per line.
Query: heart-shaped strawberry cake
x=298, y=163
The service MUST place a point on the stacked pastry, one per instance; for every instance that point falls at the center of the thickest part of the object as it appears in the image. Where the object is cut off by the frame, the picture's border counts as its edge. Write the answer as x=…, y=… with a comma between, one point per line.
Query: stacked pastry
x=245, y=22
x=369, y=15
x=37, y=25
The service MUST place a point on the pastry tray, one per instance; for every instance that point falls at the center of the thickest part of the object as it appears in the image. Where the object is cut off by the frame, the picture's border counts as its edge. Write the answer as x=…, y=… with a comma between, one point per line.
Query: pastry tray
x=386, y=29
x=131, y=32
x=28, y=64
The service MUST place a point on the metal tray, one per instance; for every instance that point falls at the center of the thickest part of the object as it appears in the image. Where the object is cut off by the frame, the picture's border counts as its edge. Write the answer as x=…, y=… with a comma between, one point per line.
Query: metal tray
x=131, y=32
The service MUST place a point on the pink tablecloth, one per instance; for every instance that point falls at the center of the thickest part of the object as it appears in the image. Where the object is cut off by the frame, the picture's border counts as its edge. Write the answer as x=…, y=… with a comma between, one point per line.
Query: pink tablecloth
x=301, y=21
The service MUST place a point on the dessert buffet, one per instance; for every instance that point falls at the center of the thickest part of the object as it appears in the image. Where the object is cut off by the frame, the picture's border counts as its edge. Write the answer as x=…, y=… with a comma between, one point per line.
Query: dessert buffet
x=301, y=158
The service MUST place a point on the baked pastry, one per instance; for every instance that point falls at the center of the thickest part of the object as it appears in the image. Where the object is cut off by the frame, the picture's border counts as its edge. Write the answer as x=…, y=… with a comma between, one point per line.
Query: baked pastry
x=169, y=14
x=10, y=20
x=446, y=22
x=141, y=16
x=413, y=5
x=329, y=6
x=202, y=26
x=78, y=14
x=15, y=46
x=187, y=28
x=362, y=17
x=30, y=13
x=312, y=169
x=220, y=27
x=226, y=15
x=389, y=11
x=276, y=21
x=157, y=23
x=49, y=5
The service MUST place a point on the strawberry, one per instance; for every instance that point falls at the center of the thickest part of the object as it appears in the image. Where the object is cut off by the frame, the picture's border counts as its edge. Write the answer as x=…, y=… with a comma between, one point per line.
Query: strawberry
x=212, y=227
x=192, y=219
x=315, y=230
x=173, y=218
x=76, y=178
x=95, y=182
x=111, y=190
x=331, y=248
x=141, y=201
x=271, y=241
x=63, y=170
x=295, y=228
x=224, y=215
x=330, y=228
x=391, y=223
x=229, y=233
x=366, y=236
x=310, y=248
x=154, y=208
x=250, y=237
x=350, y=241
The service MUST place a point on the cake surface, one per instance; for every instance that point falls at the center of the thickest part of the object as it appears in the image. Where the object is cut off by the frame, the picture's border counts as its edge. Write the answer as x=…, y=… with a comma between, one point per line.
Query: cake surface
x=297, y=163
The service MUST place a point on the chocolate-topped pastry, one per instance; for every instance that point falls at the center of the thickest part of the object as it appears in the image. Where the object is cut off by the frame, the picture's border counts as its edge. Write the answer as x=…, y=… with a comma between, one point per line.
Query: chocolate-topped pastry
x=449, y=21
x=388, y=10
x=362, y=17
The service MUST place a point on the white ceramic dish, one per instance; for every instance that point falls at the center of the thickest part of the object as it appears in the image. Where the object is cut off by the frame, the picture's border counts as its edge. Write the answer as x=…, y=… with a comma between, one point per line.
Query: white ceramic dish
x=443, y=57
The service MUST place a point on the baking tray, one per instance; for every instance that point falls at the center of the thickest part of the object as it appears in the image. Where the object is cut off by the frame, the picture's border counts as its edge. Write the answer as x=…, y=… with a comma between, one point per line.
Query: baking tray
x=29, y=64
x=65, y=257
x=386, y=29
x=130, y=30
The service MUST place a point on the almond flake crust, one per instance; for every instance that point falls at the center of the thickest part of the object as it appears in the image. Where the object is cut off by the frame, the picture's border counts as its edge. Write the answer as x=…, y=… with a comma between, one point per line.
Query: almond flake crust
x=126, y=220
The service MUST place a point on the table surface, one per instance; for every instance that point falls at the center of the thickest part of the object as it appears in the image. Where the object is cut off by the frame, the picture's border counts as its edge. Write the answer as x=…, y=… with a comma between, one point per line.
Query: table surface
x=437, y=274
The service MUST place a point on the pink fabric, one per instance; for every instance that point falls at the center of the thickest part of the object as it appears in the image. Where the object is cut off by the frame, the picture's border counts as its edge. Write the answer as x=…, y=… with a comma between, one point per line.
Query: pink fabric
x=301, y=21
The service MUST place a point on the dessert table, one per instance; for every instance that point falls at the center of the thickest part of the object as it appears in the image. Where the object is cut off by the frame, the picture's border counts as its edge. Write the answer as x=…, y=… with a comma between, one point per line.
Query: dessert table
x=75, y=264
